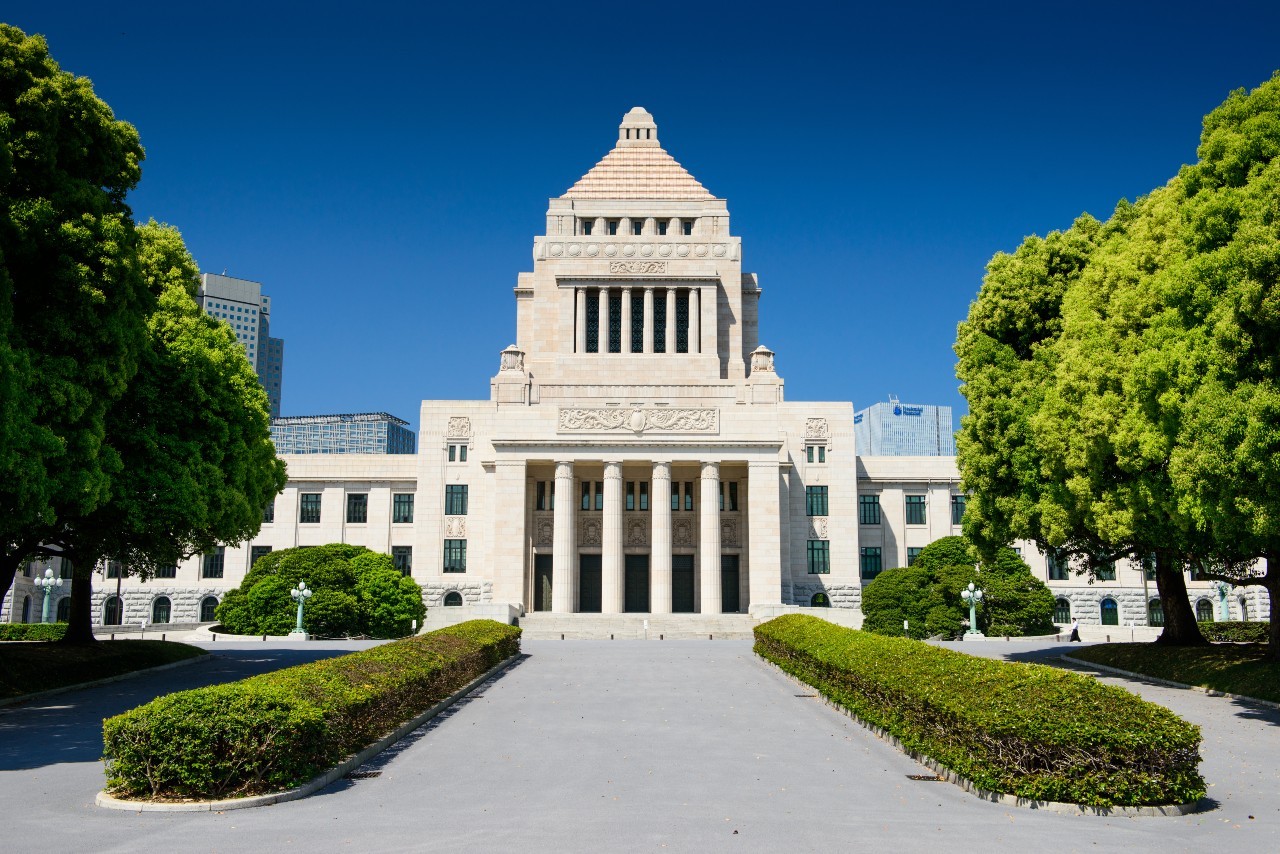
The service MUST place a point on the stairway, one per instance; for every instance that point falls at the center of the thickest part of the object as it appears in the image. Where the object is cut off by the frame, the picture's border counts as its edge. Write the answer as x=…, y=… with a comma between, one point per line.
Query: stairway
x=543, y=625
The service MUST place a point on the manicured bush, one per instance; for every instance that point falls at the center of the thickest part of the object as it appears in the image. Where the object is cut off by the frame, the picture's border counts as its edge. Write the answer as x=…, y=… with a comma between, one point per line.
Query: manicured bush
x=29, y=668
x=357, y=592
x=278, y=730
x=1027, y=730
x=32, y=631
x=1235, y=631
x=1242, y=669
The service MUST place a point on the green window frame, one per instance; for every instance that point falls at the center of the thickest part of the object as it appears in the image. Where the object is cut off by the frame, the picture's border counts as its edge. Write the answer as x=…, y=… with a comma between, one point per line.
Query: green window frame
x=1061, y=611
x=869, y=509
x=815, y=500
x=599, y=495
x=309, y=508
x=958, y=504
x=1204, y=611
x=455, y=555
x=819, y=554
x=402, y=557
x=631, y=495
x=913, y=552
x=688, y=496
x=1110, y=612
x=269, y=512
x=256, y=552
x=455, y=499
x=166, y=572
x=644, y=496
x=675, y=495
x=402, y=507
x=214, y=563
x=357, y=508
x=586, y=495
x=1107, y=571
x=1155, y=613
x=870, y=560
x=1059, y=567
x=917, y=512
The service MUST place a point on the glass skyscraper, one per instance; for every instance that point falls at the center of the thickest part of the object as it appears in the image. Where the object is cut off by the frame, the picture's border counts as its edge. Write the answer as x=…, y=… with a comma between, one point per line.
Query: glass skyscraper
x=360, y=433
x=897, y=429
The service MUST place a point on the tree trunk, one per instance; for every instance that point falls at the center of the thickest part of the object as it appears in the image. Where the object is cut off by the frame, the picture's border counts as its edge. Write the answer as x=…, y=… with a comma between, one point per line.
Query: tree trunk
x=1272, y=582
x=1180, y=626
x=80, y=621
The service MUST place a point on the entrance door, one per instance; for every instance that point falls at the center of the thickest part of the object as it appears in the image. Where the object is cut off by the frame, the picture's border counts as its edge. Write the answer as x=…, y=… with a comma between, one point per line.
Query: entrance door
x=682, y=584
x=636, y=587
x=728, y=584
x=542, y=582
x=589, y=584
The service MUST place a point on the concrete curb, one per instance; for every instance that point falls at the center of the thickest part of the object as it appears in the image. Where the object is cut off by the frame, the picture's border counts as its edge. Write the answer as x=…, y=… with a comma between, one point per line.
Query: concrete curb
x=40, y=695
x=317, y=783
x=1212, y=692
x=985, y=794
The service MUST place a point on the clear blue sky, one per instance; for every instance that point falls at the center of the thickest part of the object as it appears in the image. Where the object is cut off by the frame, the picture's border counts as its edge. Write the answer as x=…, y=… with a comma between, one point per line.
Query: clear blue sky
x=382, y=168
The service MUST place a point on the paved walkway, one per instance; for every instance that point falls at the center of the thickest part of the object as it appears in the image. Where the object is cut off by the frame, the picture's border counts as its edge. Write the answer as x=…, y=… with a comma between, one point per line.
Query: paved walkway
x=629, y=746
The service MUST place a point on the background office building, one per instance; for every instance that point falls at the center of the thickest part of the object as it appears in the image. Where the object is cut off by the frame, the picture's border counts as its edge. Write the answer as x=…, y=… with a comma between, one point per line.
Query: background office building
x=896, y=429
x=243, y=306
x=360, y=433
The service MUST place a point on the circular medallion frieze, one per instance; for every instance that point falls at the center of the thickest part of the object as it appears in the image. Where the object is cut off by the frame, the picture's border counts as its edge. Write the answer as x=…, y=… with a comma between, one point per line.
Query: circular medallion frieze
x=664, y=251
x=702, y=251
x=593, y=250
x=610, y=250
x=629, y=251
x=636, y=421
x=556, y=248
x=718, y=250
x=682, y=251
x=646, y=250
x=575, y=249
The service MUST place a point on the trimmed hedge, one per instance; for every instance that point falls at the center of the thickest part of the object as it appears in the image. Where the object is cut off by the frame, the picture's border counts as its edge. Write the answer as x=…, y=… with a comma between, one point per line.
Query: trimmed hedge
x=32, y=631
x=1028, y=730
x=278, y=730
x=1235, y=631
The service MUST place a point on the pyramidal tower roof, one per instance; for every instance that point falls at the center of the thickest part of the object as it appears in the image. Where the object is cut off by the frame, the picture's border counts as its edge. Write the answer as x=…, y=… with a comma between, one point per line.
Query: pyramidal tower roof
x=638, y=168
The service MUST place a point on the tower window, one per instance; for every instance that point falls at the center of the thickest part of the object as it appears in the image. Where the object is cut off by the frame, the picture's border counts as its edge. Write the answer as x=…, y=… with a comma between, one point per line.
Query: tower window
x=682, y=321
x=662, y=226
x=687, y=227
x=637, y=227
x=615, y=322
x=613, y=226
x=586, y=227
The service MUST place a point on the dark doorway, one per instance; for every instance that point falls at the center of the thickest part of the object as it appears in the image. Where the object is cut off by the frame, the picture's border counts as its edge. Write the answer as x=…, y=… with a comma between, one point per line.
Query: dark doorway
x=589, y=584
x=636, y=585
x=542, y=582
x=682, y=584
x=729, y=584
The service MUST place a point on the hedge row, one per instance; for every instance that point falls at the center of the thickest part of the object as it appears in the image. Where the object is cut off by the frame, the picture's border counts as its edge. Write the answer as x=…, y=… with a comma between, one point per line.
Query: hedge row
x=32, y=631
x=1235, y=631
x=278, y=730
x=1027, y=730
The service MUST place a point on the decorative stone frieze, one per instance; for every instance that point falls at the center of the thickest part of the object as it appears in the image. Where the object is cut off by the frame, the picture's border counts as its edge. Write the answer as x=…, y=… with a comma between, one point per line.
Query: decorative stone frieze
x=682, y=534
x=729, y=533
x=637, y=533
x=638, y=267
x=459, y=427
x=639, y=420
x=818, y=526
x=816, y=428
x=512, y=359
x=589, y=532
x=455, y=527
x=544, y=530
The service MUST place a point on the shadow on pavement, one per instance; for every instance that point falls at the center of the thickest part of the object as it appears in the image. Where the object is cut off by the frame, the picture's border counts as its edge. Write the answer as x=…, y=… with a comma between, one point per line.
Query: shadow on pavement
x=68, y=727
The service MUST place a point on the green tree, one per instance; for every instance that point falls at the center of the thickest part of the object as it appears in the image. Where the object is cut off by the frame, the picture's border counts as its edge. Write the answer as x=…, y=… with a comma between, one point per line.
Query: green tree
x=73, y=305
x=193, y=432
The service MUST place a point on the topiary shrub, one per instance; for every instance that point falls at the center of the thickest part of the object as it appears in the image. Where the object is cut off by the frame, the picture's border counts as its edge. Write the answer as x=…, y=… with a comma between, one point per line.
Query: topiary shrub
x=1235, y=631
x=1028, y=730
x=927, y=595
x=357, y=592
x=278, y=730
x=32, y=631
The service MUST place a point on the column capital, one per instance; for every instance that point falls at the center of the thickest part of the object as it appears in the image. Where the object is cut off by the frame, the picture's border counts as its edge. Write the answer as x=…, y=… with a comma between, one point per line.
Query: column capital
x=613, y=470
x=662, y=469
x=564, y=468
x=710, y=471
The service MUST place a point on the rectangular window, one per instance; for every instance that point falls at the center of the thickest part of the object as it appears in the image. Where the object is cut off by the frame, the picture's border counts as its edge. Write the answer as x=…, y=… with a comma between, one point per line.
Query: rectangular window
x=599, y=495
x=637, y=227
x=114, y=568
x=870, y=562
x=869, y=509
x=1107, y=571
x=688, y=496
x=357, y=508
x=593, y=324
x=637, y=321
x=213, y=563
x=455, y=555
x=455, y=499
x=659, y=322
x=1059, y=568
x=613, y=226
x=822, y=453
x=615, y=322
x=1149, y=568
x=309, y=508
x=402, y=507
x=631, y=495
x=541, y=503
x=586, y=495
x=819, y=557
x=256, y=552
x=675, y=495
x=682, y=321
x=815, y=500
x=915, y=510
x=729, y=489
x=167, y=572
x=269, y=512
x=587, y=226
x=808, y=452
x=453, y=453
x=957, y=508
x=662, y=226
x=462, y=453
x=913, y=552
x=402, y=556
x=686, y=227
x=644, y=495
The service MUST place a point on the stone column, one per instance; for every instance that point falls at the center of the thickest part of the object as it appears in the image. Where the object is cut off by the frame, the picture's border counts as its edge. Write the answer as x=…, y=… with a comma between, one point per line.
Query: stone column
x=695, y=321
x=611, y=561
x=603, y=337
x=671, y=320
x=580, y=320
x=648, y=320
x=625, y=337
x=765, y=518
x=564, y=551
x=709, y=539
x=660, y=539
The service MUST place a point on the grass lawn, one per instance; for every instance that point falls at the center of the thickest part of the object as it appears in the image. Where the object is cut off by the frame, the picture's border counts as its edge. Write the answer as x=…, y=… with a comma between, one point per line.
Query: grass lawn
x=1234, y=668
x=29, y=667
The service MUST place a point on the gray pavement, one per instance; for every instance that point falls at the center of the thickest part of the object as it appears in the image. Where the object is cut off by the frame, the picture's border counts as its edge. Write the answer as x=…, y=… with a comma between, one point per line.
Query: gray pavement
x=623, y=746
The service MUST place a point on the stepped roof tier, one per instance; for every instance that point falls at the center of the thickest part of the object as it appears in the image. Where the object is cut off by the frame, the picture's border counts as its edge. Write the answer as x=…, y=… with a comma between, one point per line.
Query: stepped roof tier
x=638, y=168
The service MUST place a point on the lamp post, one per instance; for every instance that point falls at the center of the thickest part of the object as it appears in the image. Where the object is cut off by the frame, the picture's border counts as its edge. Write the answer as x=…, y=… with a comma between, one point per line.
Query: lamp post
x=300, y=594
x=47, y=583
x=1224, y=610
x=973, y=596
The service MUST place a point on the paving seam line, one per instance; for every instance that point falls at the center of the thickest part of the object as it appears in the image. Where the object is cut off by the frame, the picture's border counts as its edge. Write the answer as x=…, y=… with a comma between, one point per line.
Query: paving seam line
x=40, y=695
x=1212, y=692
x=985, y=794
x=316, y=783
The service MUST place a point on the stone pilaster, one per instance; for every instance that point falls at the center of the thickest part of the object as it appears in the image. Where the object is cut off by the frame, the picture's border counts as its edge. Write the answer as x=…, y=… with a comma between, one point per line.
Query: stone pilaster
x=580, y=321
x=603, y=326
x=764, y=533
x=660, y=539
x=709, y=538
x=671, y=320
x=695, y=320
x=611, y=561
x=625, y=336
x=564, y=548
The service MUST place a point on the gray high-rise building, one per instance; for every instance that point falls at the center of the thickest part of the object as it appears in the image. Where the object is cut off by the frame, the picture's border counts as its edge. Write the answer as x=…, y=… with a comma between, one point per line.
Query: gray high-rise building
x=359, y=433
x=243, y=306
x=896, y=429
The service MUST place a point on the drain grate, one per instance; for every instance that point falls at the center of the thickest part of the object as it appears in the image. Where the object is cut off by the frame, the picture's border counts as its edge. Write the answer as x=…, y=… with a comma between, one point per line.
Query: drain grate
x=362, y=775
x=806, y=695
x=925, y=778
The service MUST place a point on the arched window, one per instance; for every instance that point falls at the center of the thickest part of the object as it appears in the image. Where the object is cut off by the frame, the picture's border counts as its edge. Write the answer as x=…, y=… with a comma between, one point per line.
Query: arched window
x=1204, y=611
x=208, y=609
x=1110, y=613
x=64, y=609
x=452, y=599
x=1155, y=613
x=111, y=615
x=820, y=600
x=1244, y=609
x=26, y=609
x=1061, y=611
x=160, y=610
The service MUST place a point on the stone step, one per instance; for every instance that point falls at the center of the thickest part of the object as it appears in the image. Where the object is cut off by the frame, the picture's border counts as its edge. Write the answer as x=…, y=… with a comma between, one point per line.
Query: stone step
x=544, y=626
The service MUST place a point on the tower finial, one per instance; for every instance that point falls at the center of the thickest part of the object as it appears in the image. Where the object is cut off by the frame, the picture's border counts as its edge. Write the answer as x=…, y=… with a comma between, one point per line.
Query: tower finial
x=638, y=129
